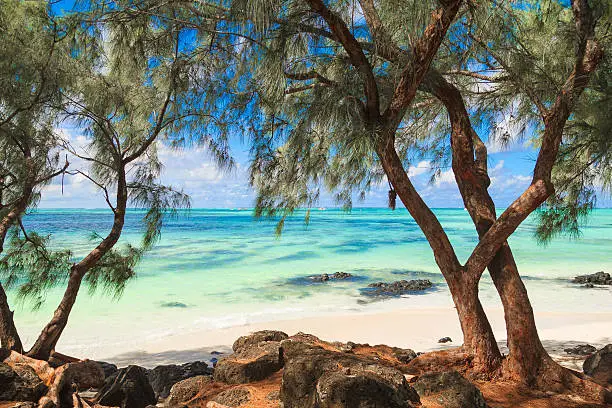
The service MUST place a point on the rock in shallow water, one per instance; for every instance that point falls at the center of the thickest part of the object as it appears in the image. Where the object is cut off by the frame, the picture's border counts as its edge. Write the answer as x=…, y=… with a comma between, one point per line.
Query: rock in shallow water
x=334, y=276
x=597, y=278
x=581, y=350
x=397, y=288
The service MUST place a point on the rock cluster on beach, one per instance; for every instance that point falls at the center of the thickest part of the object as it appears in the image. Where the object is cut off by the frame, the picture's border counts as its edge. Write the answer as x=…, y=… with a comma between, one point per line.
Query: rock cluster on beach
x=267, y=369
x=597, y=278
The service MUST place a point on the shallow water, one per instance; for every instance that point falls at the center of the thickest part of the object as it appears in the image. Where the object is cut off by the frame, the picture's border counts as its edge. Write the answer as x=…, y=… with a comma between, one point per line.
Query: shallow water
x=221, y=268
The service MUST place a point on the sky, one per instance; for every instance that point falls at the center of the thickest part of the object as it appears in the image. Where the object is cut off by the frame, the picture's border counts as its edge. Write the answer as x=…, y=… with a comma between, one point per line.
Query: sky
x=192, y=170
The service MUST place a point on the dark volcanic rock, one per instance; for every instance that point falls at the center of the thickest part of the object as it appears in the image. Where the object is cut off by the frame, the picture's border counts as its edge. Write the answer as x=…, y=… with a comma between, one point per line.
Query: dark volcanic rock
x=597, y=278
x=397, y=288
x=445, y=340
x=233, y=397
x=335, y=276
x=185, y=390
x=250, y=363
x=128, y=388
x=174, y=304
x=451, y=389
x=404, y=356
x=20, y=384
x=108, y=368
x=316, y=377
x=581, y=350
x=599, y=365
x=162, y=378
x=257, y=337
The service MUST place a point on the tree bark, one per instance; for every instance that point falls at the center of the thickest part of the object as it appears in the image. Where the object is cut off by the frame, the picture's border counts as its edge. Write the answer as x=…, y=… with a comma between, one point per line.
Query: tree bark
x=478, y=338
x=49, y=336
x=9, y=337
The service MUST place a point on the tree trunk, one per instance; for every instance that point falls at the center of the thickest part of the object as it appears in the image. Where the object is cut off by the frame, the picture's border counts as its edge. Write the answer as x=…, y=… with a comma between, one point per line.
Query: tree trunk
x=478, y=338
x=50, y=335
x=48, y=338
x=478, y=335
x=9, y=337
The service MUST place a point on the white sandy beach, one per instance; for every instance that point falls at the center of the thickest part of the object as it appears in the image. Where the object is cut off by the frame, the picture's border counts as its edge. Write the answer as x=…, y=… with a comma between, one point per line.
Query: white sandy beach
x=418, y=329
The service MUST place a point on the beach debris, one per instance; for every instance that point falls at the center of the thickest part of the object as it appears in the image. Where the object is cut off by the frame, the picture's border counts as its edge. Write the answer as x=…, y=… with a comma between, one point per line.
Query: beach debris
x=163, y=377
x=581, y=350
x=599, y=365
x=255, y=357
x=451, y=390
x=128, y=388
x=185, y=390
x=322, y=377
x=334, y=276
x=178, y=305
x=597, y=278
x=445, y=340
x=397, y=288
x=20, y=383
x=234, y=397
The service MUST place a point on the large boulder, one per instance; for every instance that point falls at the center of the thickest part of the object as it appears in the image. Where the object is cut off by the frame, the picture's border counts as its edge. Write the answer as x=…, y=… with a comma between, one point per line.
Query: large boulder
x=597, y=278
x=128, y=388
x=74, y=377
x=255, y=338
x=108, y=368
x=186, y=390
x=250, y=363
x=450, y=389
x=20, y=383
x=162, y=378
x=599, y=365
x=315, y=376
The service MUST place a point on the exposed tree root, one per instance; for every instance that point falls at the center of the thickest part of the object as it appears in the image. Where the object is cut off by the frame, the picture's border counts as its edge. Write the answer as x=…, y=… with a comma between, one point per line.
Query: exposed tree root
x=550, y=376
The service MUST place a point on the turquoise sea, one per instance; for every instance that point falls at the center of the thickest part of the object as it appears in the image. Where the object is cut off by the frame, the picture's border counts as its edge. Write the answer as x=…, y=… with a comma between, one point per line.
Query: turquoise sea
x=222, y=268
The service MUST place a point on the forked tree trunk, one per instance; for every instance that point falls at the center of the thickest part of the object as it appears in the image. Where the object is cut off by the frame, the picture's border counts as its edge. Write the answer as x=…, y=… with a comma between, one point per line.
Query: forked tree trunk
x=479, y=340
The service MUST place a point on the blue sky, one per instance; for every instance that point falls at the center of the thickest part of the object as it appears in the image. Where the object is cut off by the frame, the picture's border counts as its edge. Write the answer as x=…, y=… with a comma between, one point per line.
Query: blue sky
x=194, y=172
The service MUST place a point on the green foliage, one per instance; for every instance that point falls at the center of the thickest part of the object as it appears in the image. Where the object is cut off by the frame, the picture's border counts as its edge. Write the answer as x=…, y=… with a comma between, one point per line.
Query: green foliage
x=32, y=267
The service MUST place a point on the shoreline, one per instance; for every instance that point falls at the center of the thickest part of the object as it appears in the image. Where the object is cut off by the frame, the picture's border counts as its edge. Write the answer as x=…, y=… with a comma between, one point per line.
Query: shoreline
x=417, y=329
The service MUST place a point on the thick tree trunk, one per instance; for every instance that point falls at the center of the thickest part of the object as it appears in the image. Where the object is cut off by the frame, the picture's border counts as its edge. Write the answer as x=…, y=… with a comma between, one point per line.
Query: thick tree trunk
x=478, y=335
x=528, y=361
x=478, y=338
